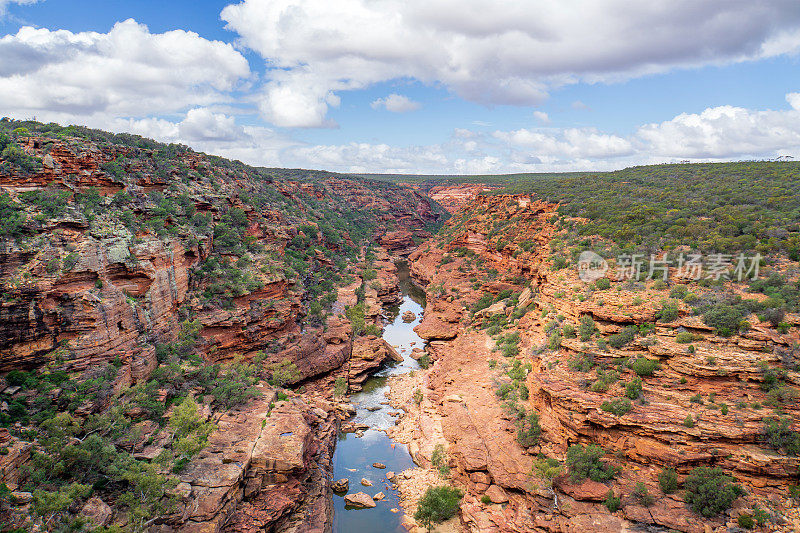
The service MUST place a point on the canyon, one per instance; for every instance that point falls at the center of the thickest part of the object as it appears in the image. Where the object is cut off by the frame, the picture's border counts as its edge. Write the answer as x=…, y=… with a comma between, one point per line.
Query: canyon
x=286, y=284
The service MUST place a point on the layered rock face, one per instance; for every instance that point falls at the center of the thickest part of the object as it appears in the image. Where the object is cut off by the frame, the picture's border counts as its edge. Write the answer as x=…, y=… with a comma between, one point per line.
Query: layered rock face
x=172, y=271
x=704, y=401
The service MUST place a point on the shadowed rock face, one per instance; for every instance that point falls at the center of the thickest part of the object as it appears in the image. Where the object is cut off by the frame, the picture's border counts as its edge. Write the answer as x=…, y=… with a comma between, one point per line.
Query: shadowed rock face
x=481, y=433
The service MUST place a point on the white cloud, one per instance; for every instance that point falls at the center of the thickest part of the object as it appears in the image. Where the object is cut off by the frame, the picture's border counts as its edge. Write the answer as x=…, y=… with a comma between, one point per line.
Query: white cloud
x=5, y=3
x=396, y=103
x=542, y=117
x=569, y=143
x=128, y=71
x=724, y=132
x=577, y=104
x=493, y=51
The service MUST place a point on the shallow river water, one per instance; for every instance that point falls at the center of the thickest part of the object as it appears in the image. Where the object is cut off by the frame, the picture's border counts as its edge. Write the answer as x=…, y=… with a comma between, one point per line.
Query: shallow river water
x=354, y=456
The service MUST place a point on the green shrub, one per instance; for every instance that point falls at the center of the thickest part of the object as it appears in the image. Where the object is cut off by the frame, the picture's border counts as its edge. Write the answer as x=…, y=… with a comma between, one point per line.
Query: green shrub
x=679, y=292
x=554, y=342
x=418, y=396
x=633, y=389
x=688, y=421
x=724, y=319
x=644, y=366
x=612, y=503
x=437, y=505
x=584, y=462
x=485, y=499
x=709, y=491
x=618, y=340
x=424, y=361
x=779, y=435
x=528, y=430
x=641, y=494
x=568, y=331
x=602, y=284
x=582, y=363
x=440, y=461
x=340, y=387
x=745, y=521
x=668, y=481
x=283, y=373
x=669, y=311
x=684, y=337
x=586, y=328
x=617, y=406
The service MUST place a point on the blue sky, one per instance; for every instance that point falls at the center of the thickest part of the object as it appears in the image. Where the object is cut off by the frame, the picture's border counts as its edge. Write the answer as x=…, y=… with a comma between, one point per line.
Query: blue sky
x=433, y=86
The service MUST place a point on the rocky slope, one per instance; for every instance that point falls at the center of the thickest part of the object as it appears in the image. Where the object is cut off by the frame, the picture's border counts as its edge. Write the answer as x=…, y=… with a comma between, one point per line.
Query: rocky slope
x=136, y=275
x=516, y=379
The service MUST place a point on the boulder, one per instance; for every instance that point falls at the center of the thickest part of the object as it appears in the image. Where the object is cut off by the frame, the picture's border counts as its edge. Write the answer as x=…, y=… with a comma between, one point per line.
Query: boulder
x=366, y=482
x=342, y=485
x=359, y=500
x=97, y=512
x=379, y=465
x=378, y=497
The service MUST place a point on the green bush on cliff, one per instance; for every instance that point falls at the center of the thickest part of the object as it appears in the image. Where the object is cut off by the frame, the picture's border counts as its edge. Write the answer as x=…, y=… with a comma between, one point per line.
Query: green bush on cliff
x=779, y=435
x=528, y=430
x=617, y=406
x=12, y=217
x=584, y=462
x=709, y=491
x=626, y=336
x=644, y=366
x=586, y=328
x=668, y=481
x=437, y=505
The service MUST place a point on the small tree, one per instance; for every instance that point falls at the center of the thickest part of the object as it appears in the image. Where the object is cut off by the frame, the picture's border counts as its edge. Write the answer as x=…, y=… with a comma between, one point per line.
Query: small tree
x=547, y=470
x=668, y=481
x=283, y=373
x=437, y=505
x=585, y=462
x=586, y=328
x=710, y=491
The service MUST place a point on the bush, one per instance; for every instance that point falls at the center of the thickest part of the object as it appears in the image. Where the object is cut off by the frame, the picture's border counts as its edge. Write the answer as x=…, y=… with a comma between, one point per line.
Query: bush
x=528, y=430
x=668, y=481
x=568, y=331
x=779, y=435
x=340, y=387
x=644, y=366
x=586, y=328
x=618, y=340
x=613, y=503
x=603, y=284
x=283, y=373
x=709, y=491
x=688, y=421
x=485, y=499
x=641, y=494
x=669, y=311
x=724, y=319
x=585, y=462
x=554, y=342
x=437, y=505
x=679, y=292
x=424, y=361
x=618, y=406
x=684, y=337
x=440, y=461
x=633, y=389
x=745, y=521
x=417, y=396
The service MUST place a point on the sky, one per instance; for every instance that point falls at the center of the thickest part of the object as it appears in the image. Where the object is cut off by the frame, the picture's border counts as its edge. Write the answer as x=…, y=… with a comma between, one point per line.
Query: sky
x=417, y=86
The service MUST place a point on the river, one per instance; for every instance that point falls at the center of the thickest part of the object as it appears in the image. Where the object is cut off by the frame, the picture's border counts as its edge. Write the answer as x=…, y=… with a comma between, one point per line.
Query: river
x=354, y=456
